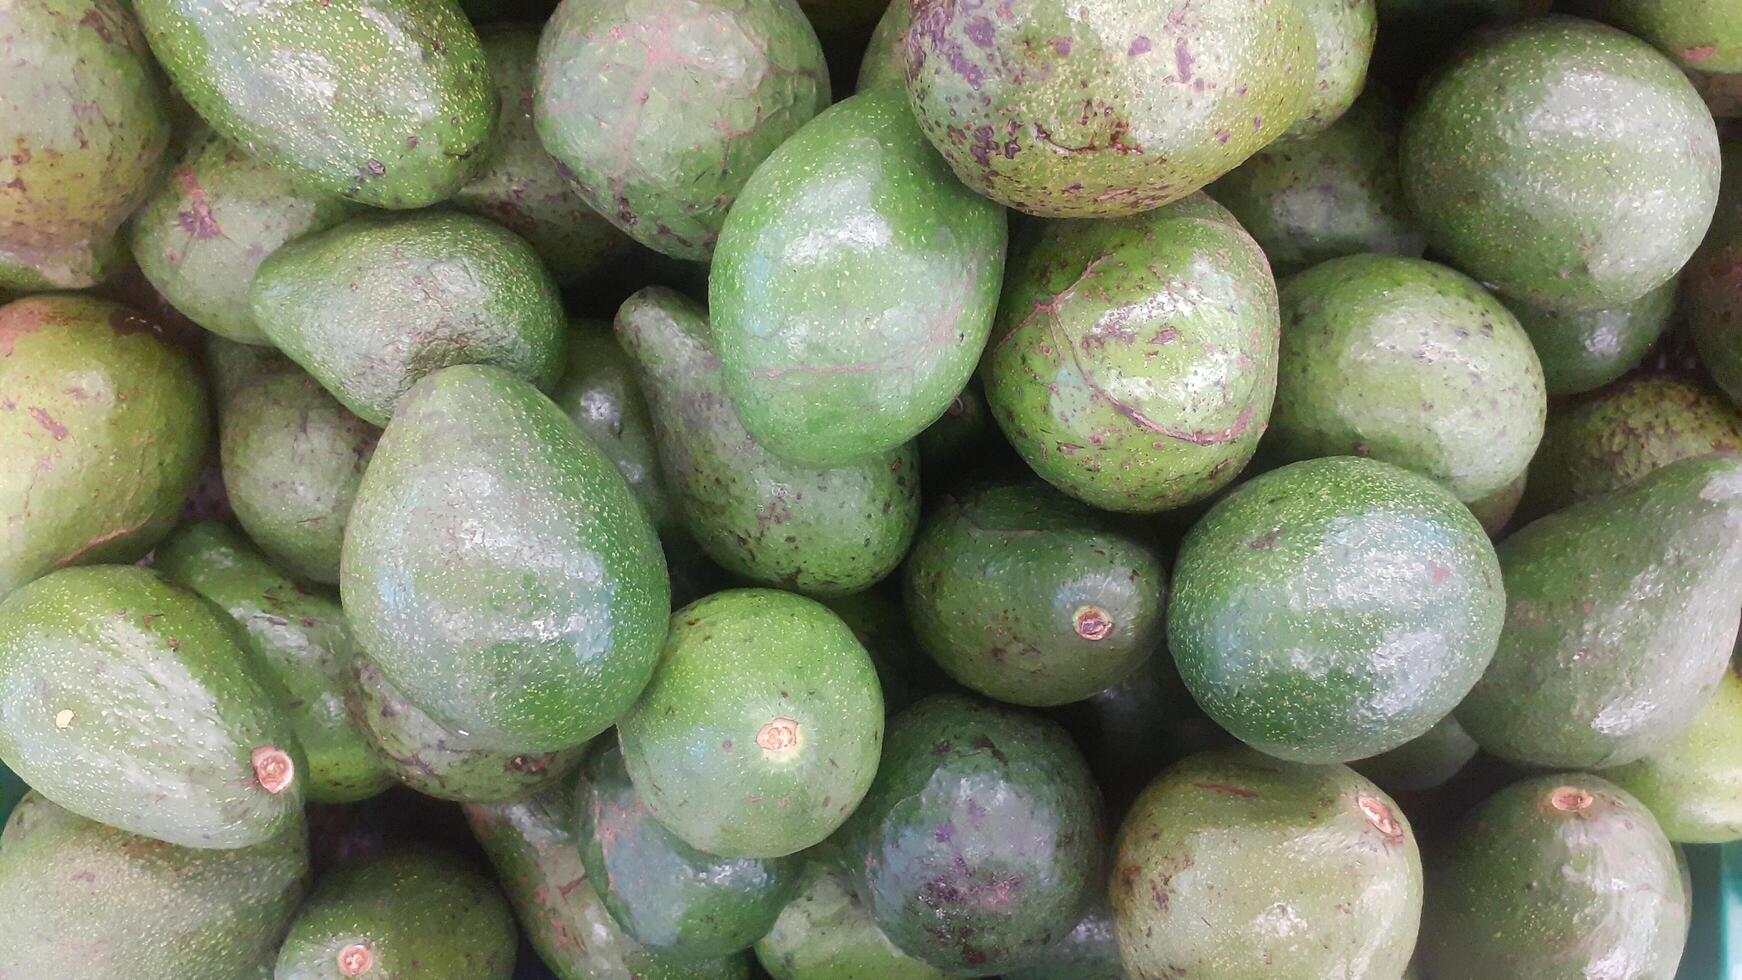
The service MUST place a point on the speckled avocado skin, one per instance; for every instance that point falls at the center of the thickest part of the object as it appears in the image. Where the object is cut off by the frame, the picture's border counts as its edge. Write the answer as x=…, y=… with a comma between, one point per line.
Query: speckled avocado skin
x=1104, y=108
x=1423, y=762
x=1621, y=613
x=1342, y=32
x=1581, y=216
x=386, y=102
x=826, y=933
x=1213, y=876
x=601, y=393
x=104, y=427
x=1712, y=285
x=1701, y=35
x=1585, y=349
x=1133, y=363
x=1694, y=784
x=1561, y=875
x=726, y=80
x=1334, y=609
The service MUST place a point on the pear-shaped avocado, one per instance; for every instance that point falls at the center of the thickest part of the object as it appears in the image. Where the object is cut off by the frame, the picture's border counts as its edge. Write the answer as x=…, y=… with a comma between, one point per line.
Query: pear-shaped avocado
x=602, y=395
x=83, y=899
x=1088, y=952
x=1343, y=32
x=1694, y=784
x=1424, y=762
x=1134, y=362
x=1621, y=612
x=1230, y=860
x=373, y=305
x=1585, y=349
x=885, y=58
x=1556, y=876
x=130, y=701
x=1712, y=284
x=103, y=428
x=84, y=120
x=826, y=933
x=386, y=102
x=1104, y=108
x=661, y=109
x=497, y=568
x=1704, y=36
x=825, y=531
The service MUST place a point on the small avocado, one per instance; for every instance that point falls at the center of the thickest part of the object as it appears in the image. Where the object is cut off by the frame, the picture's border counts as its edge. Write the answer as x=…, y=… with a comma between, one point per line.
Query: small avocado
x=1586, y=349
x=104, y=428
x=1702, y=36
x=1564, y=875
x=826, y=933
x=601, y=395
x=385, y=102
x=1343, y=32
x=1694, y=784
x=885, y=59
x=373, y=305
x=1429, y=760
x=1236, y=866
x=1712, y=284
x=1088, y=952
x=760, y=731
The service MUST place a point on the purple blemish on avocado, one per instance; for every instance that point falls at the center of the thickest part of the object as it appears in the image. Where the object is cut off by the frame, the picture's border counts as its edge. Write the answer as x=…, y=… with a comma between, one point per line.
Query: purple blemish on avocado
x=1062, y=45
x=1183, y=61
x=1139, y=45
x=980, y=32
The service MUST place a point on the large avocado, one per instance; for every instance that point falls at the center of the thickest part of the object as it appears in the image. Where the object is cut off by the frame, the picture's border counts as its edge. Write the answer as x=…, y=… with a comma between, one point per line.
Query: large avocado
x=1712, y=285
x=1701, y=35
x=601, y=394
x=826, y=933
x=1342, y=32
x=1694, y=784
x=1585, y=349
x=497, y=568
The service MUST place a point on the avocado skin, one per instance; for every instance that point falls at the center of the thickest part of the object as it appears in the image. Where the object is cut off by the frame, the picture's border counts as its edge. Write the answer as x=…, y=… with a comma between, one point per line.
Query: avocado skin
x=601, y=395
x=543, y=630
x=1215, y=853
x=1342, y=33
x=826, y=933
x=1621, y=613
x=1712, y=284
x=1427, y=761
x=385, y=102
x=885, y=58
x=116, y=906
x=1088, y=952
x=1586, y=349
x=1694, y=784
x=904, y=672
x=1334, y=608
x=1525, y=891
x=1705, y=35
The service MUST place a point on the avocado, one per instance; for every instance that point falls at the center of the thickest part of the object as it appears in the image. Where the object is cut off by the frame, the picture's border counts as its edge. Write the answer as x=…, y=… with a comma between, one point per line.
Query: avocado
x=885, y=58
x=1343, y=32
x=761, y=728
x=104, y=904
x=826, y=933
x=1427, y=761
x=823, y=531
x=385, y=102
x=1621, y=612
x=1334, y=608
x=1705, y=36
x=373, y=305
x=726, y=80
x=1237, y=866
x=1407, y=362
x=963, y=437
x=601, y=395
x=1605, y=201
x=414, y=913
x=904, y=672
x=1134, y=361
x=1563, y=875
x=980, y=841
x=1712, y=285
x=1694, y=784
x=1586, y=349
x=1496, y=510
x=1105, y=108
x=1088, y=952
x=85, y=122
x=104, y=432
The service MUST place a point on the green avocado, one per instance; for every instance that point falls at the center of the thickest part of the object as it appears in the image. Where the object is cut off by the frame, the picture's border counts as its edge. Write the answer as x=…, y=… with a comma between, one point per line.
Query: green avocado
x=79, y=896
x=410, y=914
x=980, y=841
x=601, y=394
x=885, y=58
x=661, y=109
x=1497, y=509
x=1585, y=349
x=1605, y=201
x=826, y=933
x=1430, y=759
x=373, y=305
x=1558, y=876
x=1104, y=108
x=1134, y=362
x=1694, y=784
x=103, y=427
x=386, y=102
x=85, y=121
x=1030, y=597
x=1343, y=32
x=824, y=531
x=1712, y=284
x=1407, y=362
x=904, y=672
x=1701, y=35
x=1621, y=612
x=1237, y=866
x=760, y=731
x=1088, y=952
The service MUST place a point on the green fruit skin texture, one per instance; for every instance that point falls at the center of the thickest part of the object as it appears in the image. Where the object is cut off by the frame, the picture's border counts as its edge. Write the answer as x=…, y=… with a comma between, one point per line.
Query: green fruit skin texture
x=1694, y=784
x=1586, y=349
x=1701, y=35
x=300, y=647
x=761, y=729
x=108, y=905
x=130, y=701
x=1107, y=108
x=1088, y=952
x=1712, y=285
x=601, y=393
x=981, y=840
x=829, y=531
x=1031, y=598
x=1526, y=890
x=1333, y=193
x=725, y=81
x=104, y=428
x=1621, y=612
x=1423, y=762
x=84, y=121
x=885, y=60
x=1134, y=362
x=385, y=102
x=1496, y=510
x=1343, y=32
x=903, y=670
x=371, y=306
x=826, y=933
x=1237, y=866
x=419, y=914
x=1606, y=199
x=1407, y=362
x=1334, y=609
x=497, y=568
x=203, y=233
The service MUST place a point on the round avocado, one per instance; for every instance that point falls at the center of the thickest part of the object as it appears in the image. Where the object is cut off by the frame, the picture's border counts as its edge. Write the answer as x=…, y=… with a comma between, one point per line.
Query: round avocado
x=885, y=60
x=1343, y=32
x=1585, y=349
x=601, y=394
x=1712, y=285
x=1334, y=609
x=1694, y=785
x=1424, y=762
x=826, y=933
x=1702, y=35
x=1088, y=952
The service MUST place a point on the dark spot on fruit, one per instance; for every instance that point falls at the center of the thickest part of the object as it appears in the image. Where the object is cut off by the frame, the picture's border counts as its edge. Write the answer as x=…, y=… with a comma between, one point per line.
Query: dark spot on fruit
x=1227, y=790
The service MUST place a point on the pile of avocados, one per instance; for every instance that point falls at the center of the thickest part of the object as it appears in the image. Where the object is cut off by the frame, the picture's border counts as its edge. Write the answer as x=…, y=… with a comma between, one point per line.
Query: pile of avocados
x=867, y=489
